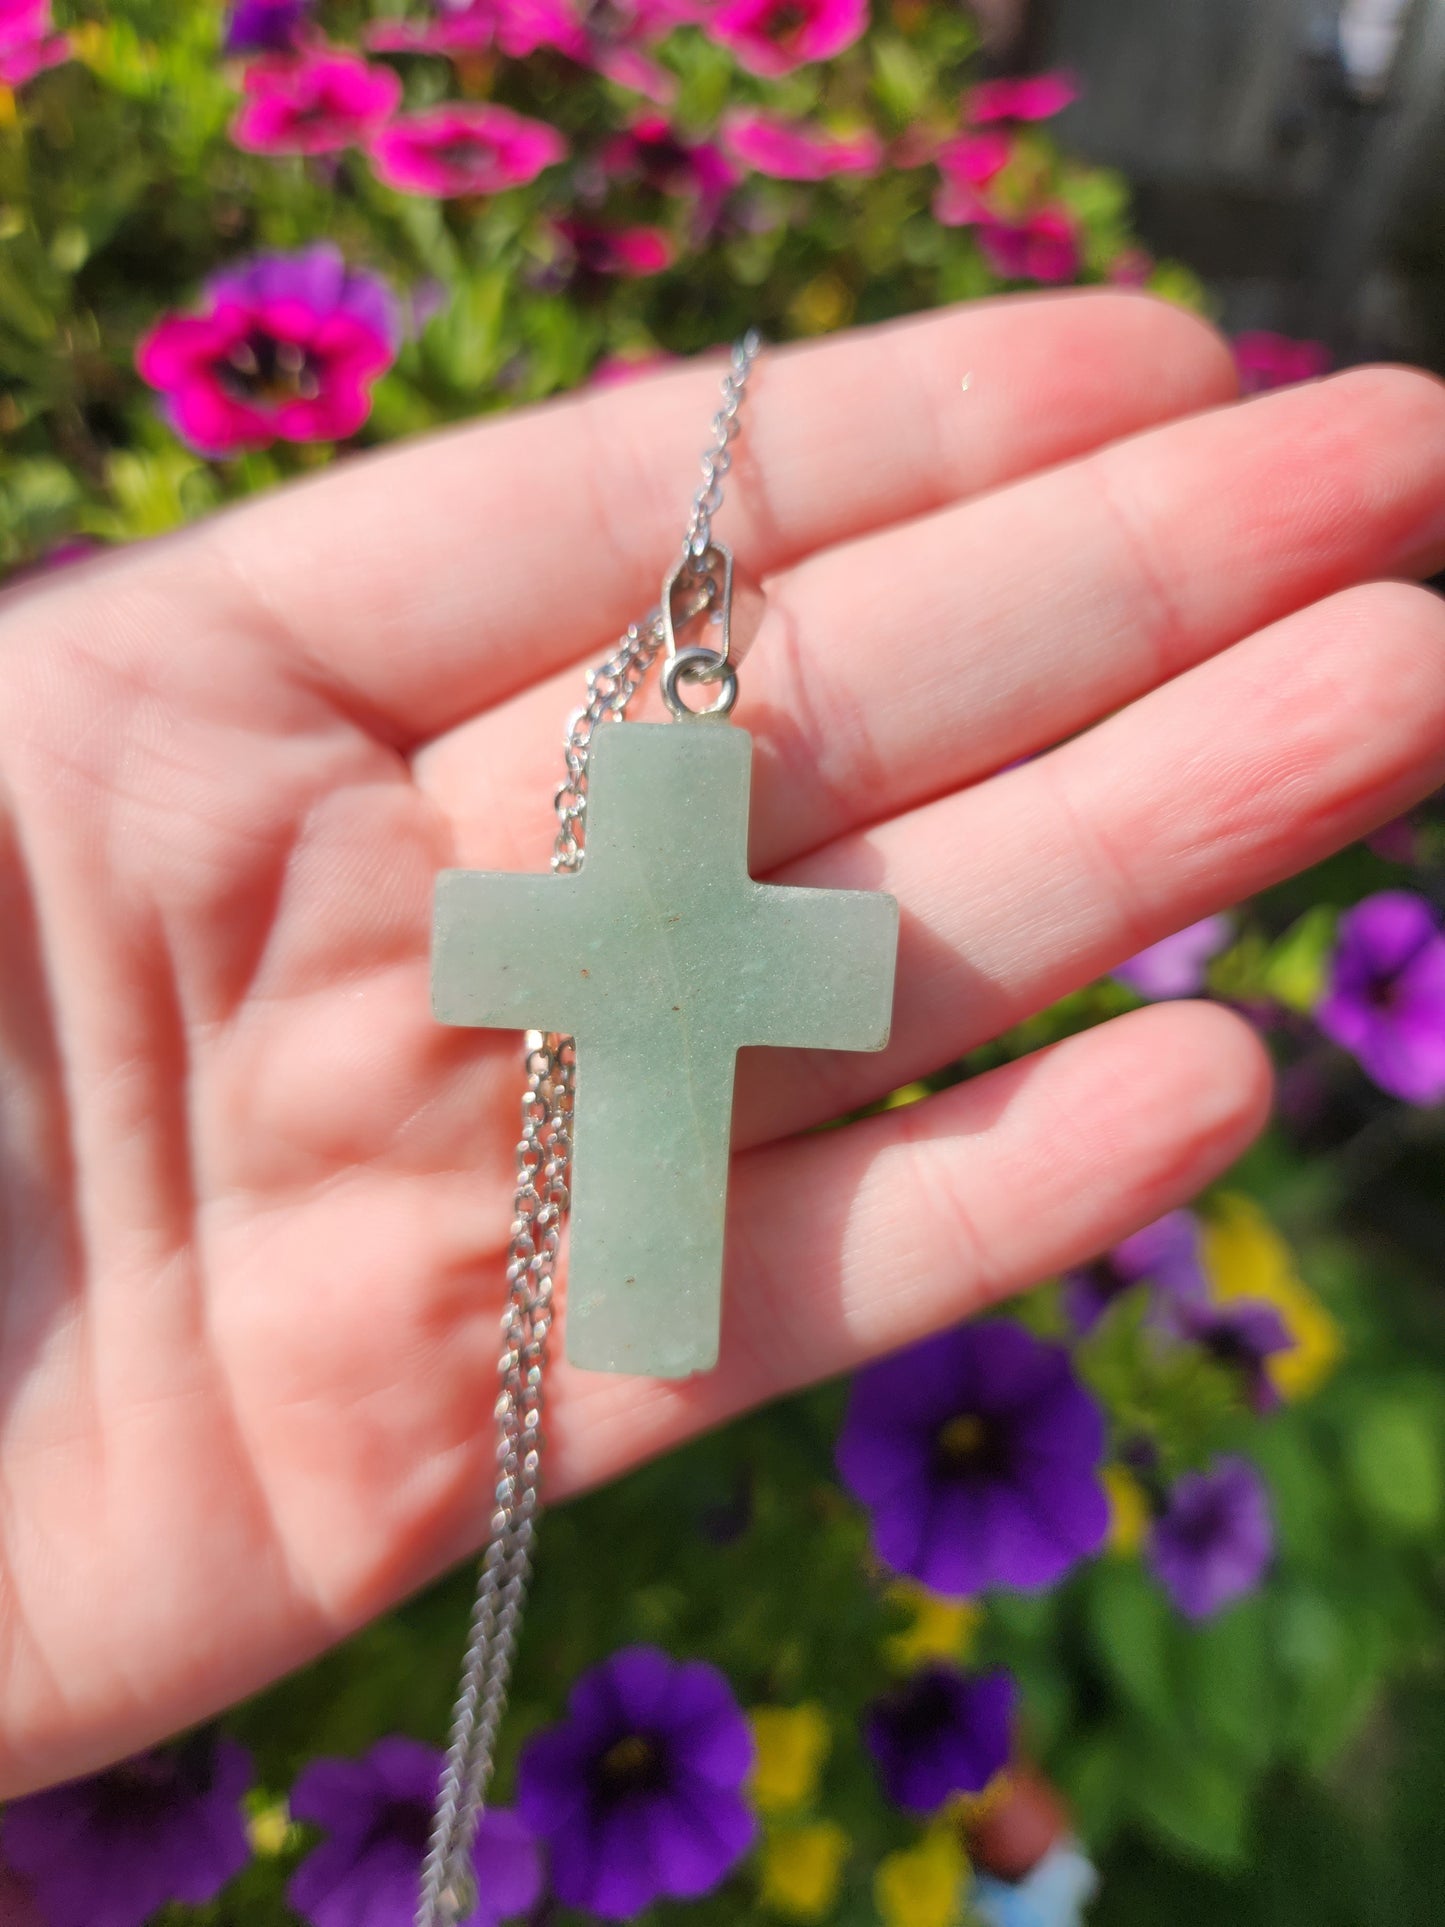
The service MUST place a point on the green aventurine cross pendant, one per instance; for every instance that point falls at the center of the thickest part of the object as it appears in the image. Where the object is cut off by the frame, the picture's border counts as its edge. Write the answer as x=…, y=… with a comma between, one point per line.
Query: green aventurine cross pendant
x=661, y=956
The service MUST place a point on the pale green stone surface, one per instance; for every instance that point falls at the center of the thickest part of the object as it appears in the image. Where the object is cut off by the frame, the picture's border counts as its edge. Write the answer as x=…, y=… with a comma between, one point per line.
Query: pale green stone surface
x=661, y=958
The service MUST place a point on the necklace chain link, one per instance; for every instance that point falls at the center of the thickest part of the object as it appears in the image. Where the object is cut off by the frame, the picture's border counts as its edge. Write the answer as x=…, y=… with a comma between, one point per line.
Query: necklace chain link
x=448, y=1888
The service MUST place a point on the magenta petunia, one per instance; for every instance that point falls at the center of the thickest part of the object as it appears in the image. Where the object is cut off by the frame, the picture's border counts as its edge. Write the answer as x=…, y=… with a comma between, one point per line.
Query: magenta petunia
x=1176, y=966
x=515, y=28
x=973, y=160
x=1214, y=1538
x=458, y=149
x=652, y=152
x=1386, y=997
x=316, y=103
x=266, y=26
x=114, y=1849
x=976, y=1453
x=655, y=19
x=615, y=371
x=1042, y=246
x=793, y=151
x=1267, y=360
x=772, y=37
x=639, y=1791
x=28, y=41
x=285, y=347
x=1034, y=97
x=375, y=1815
x=627, y=253
x=629, y=66
x=608, y=39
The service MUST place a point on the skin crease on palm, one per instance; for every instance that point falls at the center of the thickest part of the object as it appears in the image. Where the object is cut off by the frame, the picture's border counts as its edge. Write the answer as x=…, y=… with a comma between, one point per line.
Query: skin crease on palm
x=253, y=1202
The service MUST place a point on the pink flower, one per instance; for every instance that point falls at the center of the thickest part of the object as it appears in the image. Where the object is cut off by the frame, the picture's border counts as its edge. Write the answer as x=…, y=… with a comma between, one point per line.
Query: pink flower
x=1266, y=360
x=615, y=371
x=1036, y=97
x=1131, y=268
x=1042, y=246
x=515, y=28
x=28, y=44
x=650, y=151
x=793, y=151
x=655, y=19
x=630, y=252
x=317, y=103
x=455, y=149
x=629, y=67
x=775, y=36
x=603, y=41
x=616, y=33
x=973, y=160
x=284, y=348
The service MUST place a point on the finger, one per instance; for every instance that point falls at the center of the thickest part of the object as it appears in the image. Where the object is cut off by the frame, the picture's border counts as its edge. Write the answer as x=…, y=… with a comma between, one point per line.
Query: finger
x=1242, y=771
x=432, y=580
x=856, y=1242
x=895, y=668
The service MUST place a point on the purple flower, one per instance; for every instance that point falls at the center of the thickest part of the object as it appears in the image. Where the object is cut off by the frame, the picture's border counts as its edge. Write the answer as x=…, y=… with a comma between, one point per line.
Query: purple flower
x=639, y=1790
x=793, y=151
x=285, y=347
x=266, y=26
x=1242, y=1335
x=1386, y=998
x=1164, y=1254
x=455, y=149
x=1266, y=360
x=28, y=41
x=772, y=37
x=977, y=1454
x=1175, y=966
x=112, y=1850
x=1213, y=1540
x=940, y=1733
x=317, y=103
x=376, y=1813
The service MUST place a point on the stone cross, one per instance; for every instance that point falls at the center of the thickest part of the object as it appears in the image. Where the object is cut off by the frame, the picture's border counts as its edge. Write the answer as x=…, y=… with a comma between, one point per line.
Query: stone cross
x=661, y=956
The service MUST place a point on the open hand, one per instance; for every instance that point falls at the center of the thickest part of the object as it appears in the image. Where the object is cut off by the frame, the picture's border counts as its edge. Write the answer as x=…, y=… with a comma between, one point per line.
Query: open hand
x=253, y=1201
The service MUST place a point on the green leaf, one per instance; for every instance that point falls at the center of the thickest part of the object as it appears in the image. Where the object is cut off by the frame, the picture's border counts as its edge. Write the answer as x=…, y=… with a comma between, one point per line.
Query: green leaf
x=1129, y=1627
x=1296, y=968
x=1394, y=1461
x=1200, y=1802
x=1228, y=1687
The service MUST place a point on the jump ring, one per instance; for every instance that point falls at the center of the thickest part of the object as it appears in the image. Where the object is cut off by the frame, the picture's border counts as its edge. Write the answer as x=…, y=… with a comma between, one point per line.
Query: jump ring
x=696, y=659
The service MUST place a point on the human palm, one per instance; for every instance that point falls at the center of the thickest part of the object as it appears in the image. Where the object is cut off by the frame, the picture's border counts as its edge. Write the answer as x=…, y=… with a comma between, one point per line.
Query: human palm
x=254, y=1201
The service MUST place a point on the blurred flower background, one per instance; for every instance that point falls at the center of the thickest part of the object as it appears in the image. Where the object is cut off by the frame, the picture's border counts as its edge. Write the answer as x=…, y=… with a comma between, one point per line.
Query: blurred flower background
x=1126, y=1602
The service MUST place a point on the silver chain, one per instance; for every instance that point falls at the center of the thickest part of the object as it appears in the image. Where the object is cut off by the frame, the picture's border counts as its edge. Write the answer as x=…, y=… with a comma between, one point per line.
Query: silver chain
x=718, y=459
x=448, y=1888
